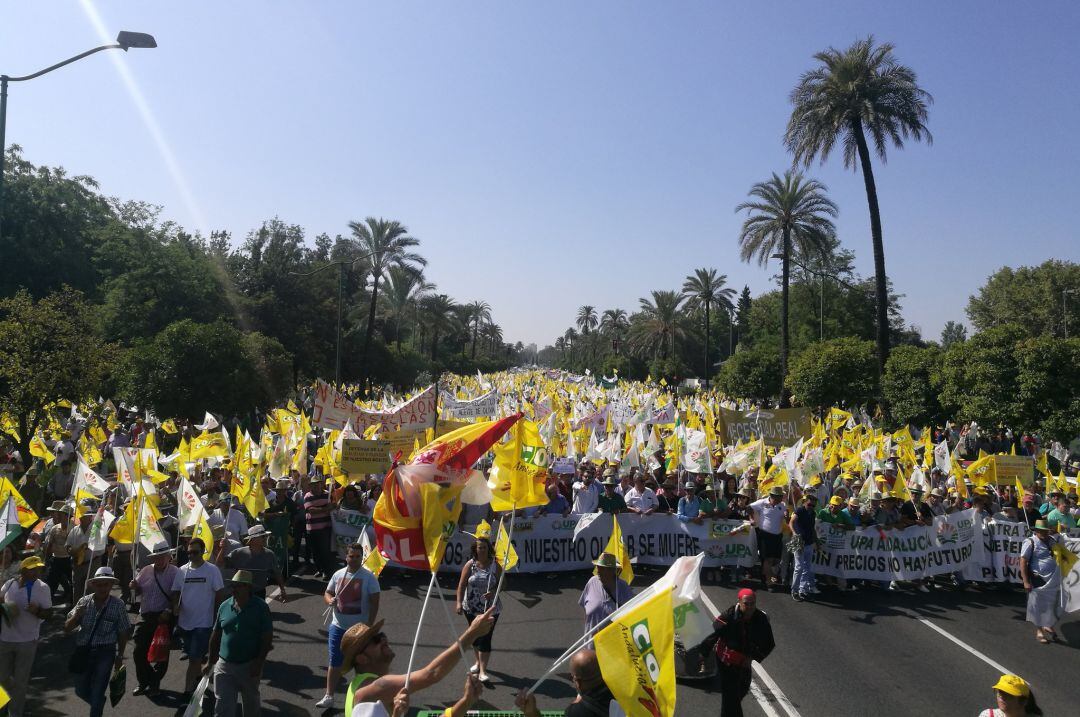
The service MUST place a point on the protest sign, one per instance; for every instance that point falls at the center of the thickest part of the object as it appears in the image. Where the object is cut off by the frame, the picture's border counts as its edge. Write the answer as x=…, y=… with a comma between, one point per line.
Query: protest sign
x=777, y=426
x=403, y=442
x=348, y=525
x=483, y=407
x=1009, y=468
x=950, y=544
x=359, y=457
x=564, y=466
x=333, y=410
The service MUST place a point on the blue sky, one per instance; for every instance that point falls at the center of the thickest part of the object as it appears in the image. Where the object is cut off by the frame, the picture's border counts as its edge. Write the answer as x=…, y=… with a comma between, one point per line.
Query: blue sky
x=554, y=154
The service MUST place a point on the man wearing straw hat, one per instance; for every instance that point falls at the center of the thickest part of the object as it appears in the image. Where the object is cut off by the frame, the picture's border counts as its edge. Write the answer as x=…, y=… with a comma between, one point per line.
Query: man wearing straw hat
x=154, y=585
x=243, y=633
x=366, y=649
x=103, y=627
x=256, y=559
x=26, y=604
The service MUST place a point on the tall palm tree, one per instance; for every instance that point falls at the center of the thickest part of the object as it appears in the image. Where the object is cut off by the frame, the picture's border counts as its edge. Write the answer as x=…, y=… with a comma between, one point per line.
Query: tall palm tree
x=404, y=286
x=614, y=323
x=856, y=92
x=386, y=243
x=657, y=324
x=586, y=319
x=704, y=288
x=481, y=314
x=788, y=211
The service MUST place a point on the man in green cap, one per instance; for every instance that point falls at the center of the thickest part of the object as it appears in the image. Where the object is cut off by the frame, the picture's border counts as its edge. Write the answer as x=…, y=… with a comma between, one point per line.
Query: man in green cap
x=243, y=632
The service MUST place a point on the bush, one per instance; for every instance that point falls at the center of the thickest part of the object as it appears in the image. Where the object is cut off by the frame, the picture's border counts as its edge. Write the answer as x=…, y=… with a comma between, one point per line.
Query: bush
x=912, y=384
x=753, y=372
x=979, y=377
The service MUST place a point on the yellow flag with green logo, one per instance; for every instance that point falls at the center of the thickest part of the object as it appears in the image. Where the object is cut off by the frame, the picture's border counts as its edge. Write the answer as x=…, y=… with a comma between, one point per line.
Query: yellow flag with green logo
x=440, y=507
x=636, y=653
x=520, y=469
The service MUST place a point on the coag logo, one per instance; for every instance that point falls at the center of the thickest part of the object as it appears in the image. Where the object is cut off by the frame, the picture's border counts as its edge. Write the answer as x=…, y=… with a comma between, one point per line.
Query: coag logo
x=639, y=633
x=535, y=456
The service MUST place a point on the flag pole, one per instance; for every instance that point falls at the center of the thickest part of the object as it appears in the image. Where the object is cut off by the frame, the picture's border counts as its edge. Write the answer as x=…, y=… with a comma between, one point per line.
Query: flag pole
x=506, y=555
x=569, y=652
x=450, y=625
x=416, y=637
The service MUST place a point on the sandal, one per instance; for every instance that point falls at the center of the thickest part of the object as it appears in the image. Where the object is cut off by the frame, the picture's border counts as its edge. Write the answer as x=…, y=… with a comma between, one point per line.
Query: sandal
x=1042, y=638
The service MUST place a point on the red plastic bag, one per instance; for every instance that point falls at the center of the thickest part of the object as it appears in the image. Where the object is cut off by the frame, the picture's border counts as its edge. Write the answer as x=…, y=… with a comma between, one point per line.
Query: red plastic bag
x=159, y=645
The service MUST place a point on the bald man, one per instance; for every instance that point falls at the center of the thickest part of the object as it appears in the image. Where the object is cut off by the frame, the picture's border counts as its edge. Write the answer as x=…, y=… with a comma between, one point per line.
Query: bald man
x=594, y=697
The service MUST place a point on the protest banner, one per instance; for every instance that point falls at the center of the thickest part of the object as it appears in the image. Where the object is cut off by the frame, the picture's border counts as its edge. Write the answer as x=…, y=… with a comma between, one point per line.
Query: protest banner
x=403, y=441
x=359, y=457
x=564, y=466
x=1009, y=468
x=952, y=543
x=448, y=426
x=485, y=406
x=347, y=526
x=1002, y=542
x=777, y=426
x=333, y=410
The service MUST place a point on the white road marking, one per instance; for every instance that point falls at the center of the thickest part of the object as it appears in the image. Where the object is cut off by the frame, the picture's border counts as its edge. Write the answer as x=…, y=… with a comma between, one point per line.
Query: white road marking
x=997, y=666
x=781, y=698
x=763, y=700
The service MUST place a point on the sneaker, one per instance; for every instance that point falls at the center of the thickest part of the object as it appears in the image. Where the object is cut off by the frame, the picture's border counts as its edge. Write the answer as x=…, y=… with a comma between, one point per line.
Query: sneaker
x=893, y=585
x=797, y=597
x=474, y=669
x=140, y=690
x=326, y=702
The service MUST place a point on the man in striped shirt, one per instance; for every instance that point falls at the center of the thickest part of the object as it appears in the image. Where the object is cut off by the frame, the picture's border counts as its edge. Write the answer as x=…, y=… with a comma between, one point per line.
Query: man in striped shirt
x=317, y=509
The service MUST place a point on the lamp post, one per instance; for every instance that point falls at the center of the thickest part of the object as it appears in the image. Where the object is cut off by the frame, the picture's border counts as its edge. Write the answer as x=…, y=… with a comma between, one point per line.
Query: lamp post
x=124, y=41
x=1065, y=308
x=340, y=264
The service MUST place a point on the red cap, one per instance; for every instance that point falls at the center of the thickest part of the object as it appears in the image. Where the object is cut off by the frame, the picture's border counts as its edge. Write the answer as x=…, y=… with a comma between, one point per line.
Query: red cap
x=745, y=592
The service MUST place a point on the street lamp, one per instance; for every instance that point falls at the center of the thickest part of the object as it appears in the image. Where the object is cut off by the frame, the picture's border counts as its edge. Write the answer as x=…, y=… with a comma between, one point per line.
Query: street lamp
x=124, y=41
x=340, y=264
x=1065, y=307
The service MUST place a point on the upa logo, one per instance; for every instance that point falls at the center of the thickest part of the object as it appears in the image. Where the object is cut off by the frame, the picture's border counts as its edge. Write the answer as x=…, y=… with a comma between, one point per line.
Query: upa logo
x=639, y=633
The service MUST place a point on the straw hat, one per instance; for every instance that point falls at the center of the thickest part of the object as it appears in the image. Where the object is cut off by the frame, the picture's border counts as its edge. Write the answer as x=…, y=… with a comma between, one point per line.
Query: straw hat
x=606, y=560
x=160, y=549
x=256, y=531
x=355, y=639
x=776, y=491
x=105, y=573
x=243, y=577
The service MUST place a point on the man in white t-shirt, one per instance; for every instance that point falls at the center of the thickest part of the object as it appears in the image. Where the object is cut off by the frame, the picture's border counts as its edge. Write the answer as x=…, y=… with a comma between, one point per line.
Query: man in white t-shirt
x=353, y=595
x=768, y=515
x=196, y=593
x=586, y=495
x=641, y=499
x=26, y=603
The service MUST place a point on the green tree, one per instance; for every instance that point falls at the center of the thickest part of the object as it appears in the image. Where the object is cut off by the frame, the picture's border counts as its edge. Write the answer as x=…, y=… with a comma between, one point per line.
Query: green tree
x=190, y=368
x=437, y=311
x=586, y=319
x=50, y=352
x=481, y=314
x=834, y=372
x=742, y=315
x=912, y=384
x=382, y=244
x=1030, y=297
x=753, y=372
x=856, y=92
x=705, y=287
x=1047, y=391
x=979, y=377
x=787, y=212
x=403, y=289
x=953, y=332
x=654, y=329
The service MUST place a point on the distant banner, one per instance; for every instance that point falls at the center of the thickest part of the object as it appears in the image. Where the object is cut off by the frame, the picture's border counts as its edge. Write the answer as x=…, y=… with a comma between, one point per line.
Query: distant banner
x=952, y=543
x=333, y=410
x=1009, y=468
x=778, y=426
x=348, y=525
x=484, y=407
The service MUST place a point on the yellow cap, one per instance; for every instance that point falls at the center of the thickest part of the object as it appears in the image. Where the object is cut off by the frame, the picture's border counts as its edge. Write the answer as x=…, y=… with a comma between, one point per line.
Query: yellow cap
x=1013, y=685
x=836, y=500
x=30, y=563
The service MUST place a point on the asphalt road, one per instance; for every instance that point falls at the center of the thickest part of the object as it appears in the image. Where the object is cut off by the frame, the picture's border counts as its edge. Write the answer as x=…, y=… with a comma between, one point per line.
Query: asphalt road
x=855, y=653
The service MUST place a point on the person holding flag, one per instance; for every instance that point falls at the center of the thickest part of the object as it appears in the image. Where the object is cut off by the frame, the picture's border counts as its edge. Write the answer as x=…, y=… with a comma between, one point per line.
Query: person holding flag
x=604, y=592
x=153, y=584
x=475, y=591
x=593, y=695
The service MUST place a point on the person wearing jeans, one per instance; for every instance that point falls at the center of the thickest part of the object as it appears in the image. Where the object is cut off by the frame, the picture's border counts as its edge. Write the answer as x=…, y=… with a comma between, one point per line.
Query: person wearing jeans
x=804, y=530
x=103, y=626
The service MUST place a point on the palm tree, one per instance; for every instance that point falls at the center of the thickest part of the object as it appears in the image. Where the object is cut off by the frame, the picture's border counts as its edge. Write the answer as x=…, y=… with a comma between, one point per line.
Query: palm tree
x=586, y=319
x=614, y=322
x=439, y=313
x=386, y=244
x=403, y=288
x=789, y=211
x=481, y=313
x=855, y=92
x=657, y=324
x=705, y=288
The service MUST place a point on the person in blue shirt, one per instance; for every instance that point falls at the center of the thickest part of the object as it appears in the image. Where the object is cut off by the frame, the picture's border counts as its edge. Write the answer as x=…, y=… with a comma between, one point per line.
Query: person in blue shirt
x=557, y=504
x=689, y=510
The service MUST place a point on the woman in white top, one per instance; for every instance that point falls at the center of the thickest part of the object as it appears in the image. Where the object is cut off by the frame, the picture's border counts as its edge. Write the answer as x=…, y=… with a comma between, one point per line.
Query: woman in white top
x=26, y=603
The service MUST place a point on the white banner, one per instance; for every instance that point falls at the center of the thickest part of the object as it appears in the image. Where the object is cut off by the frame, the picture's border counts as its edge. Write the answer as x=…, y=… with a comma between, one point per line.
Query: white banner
x=333, y=410
x=1002, y=542
x=484, y=407
x=348, y=525
x=952, y=543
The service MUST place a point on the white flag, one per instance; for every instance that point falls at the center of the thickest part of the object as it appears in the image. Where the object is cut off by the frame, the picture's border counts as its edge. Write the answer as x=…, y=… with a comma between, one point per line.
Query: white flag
x=88, y=480
x=99, y=530
x=941, y=457
x=9, y=522
x=188, y=504
x=150, y=535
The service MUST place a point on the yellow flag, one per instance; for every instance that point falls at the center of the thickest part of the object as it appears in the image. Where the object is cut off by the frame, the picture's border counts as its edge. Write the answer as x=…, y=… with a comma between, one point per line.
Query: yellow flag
x=375, y=562
x=40, y=450
x=1019, y=492
x=1065, y=558
x=4, y=697
x=958, y=476
x=636, y=653
x=151, y=441
x=440, y=508
x=169, y=426
x=617, y=547
x=505, y=555
x=1041, y=464
x=520, y=470
x=983, y=471
x=27, y=516
x=208, y=445
x=98, y=435
x=204, y=533
x=123, y=530
x=777, y=475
